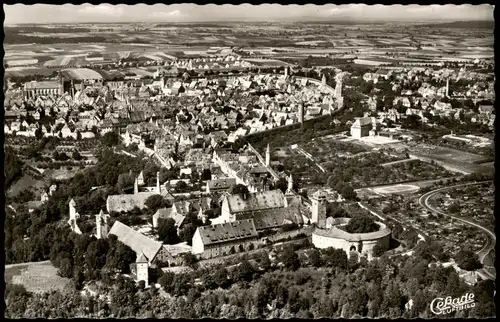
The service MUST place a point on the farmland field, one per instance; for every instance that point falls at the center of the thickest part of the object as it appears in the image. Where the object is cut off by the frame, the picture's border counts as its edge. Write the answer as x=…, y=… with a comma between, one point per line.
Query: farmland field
x=36, y=277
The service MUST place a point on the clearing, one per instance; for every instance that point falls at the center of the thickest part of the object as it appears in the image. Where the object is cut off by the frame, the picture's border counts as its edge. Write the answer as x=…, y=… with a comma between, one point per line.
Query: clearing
x=37, y=277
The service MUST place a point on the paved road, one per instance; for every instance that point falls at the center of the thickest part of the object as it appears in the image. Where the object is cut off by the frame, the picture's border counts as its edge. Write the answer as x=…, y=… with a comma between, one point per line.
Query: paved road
x=491, y=241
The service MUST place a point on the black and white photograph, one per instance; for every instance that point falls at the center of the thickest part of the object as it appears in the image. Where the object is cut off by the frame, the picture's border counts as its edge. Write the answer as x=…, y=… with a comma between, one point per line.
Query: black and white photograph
x=249, y=161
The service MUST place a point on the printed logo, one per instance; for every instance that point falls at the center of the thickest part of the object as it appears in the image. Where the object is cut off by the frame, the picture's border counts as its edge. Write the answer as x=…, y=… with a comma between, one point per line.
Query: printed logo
x=448, y=305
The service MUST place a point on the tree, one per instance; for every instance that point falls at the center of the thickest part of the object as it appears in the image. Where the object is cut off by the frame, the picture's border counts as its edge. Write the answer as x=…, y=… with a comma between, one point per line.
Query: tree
x=187, y=232
x=155, y=202
x=281, y=184
x=244, y=272
x=221, y=278
x=238, y=189
x=190, y=260
x=167, y=231
x=264, y=260
x=468, y=260
x=411, y=122
x=361, y=224
x=76, y=155
x=378, y=250
x=166, y=281
x=315, y=257
x=181, y=187
x=290, y=259
x=110, y=139
x=206, y=174
x=39, y=133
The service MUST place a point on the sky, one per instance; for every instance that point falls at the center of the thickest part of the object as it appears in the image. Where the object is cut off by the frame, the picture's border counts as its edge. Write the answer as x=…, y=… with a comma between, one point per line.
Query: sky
x=68, y=13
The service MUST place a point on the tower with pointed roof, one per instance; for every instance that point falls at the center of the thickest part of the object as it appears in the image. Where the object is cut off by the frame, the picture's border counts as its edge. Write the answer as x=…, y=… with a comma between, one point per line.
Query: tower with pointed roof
x=73, y=216
x=142, y=267
x=323, y=80
x=102, y=225
x=140, y=179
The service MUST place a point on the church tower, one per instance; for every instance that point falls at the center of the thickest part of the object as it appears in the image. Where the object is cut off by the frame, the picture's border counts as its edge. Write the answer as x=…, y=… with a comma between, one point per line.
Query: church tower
x=73, y=216
x=323, y=80
x=268, y=156
x=142, y=267
x=318, y=210
x=102, y=225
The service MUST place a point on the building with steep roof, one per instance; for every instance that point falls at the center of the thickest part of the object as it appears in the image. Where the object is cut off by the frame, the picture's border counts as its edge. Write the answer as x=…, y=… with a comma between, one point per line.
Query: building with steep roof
x=237, y=205
x=222, y=239
x=139, y=243
x=361, y=127
x=220, y=185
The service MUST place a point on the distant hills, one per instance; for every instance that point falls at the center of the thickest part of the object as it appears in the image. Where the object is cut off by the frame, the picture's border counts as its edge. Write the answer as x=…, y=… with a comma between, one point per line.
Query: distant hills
x=479, y=24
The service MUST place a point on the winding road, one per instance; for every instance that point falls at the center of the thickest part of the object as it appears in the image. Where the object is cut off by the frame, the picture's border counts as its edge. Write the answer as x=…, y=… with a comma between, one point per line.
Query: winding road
x=491, y=241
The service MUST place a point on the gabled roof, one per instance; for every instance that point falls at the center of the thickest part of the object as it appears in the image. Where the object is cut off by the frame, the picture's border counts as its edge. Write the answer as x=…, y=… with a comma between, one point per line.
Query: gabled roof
x=220, y=233
x=225, y=183
x=120, y=203
x=256, y=201
x=135, y=240
x=276, y=217
x=142, y=258
x=363, y=121
x=165, y=213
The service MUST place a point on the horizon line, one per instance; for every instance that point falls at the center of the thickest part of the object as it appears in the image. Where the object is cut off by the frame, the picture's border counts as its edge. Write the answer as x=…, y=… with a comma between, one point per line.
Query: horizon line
x=316, y=21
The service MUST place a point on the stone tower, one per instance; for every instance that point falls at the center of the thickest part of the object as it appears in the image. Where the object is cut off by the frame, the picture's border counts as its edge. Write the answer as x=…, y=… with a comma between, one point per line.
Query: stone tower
x=268, y=156
x=142, y=268
x=286, y=71
x=102, y=225
x=136, y=186
x=323, y=80
x=318, y=210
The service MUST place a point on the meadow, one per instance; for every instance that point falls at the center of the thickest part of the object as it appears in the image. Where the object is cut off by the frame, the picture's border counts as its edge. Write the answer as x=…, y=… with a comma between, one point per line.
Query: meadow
x=37, y=277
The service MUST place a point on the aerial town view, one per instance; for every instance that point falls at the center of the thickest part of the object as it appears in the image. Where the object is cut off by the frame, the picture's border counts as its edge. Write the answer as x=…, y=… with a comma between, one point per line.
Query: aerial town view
x=249, y=161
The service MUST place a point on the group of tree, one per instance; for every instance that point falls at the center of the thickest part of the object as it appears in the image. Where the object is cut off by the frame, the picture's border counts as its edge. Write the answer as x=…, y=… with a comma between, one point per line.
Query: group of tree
x=13, y=167
x=361, y=225
x=327, y=285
